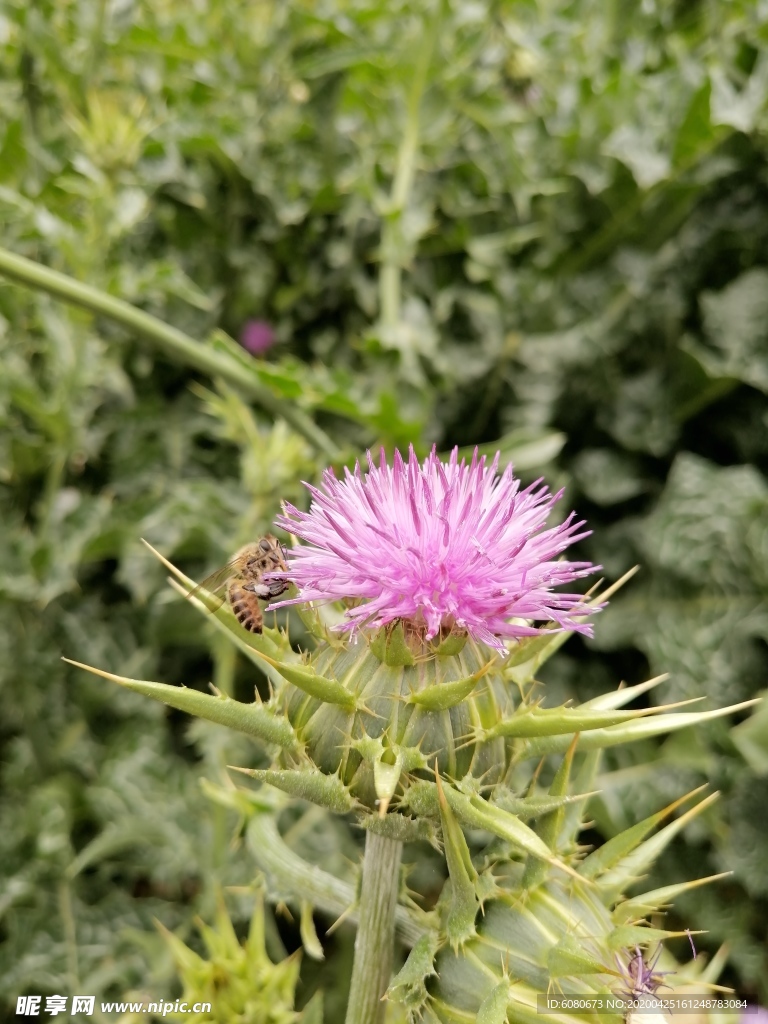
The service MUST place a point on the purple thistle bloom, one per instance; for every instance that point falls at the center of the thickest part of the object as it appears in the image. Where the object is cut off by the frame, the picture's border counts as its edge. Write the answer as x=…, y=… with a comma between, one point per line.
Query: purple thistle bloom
x=257, y=337
x=441, y=545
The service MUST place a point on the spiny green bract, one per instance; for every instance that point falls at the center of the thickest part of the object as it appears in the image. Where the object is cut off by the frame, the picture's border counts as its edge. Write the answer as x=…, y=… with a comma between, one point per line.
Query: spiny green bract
x=434, y=741
x=239, y=982
x=511, y=930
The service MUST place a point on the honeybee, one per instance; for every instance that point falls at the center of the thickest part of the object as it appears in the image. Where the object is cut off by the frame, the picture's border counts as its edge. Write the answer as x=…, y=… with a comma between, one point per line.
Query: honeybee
x=243, y=577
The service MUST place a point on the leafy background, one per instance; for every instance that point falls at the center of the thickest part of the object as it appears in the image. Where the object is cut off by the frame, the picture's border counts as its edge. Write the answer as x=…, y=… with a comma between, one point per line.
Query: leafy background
x=536, y=226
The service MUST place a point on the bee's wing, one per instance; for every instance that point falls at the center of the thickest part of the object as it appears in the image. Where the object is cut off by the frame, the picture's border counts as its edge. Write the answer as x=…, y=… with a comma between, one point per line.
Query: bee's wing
x=215, y=582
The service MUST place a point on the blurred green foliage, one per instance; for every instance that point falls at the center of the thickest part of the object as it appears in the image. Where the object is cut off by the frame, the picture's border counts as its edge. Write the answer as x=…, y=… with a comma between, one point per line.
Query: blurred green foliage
x=544, y=223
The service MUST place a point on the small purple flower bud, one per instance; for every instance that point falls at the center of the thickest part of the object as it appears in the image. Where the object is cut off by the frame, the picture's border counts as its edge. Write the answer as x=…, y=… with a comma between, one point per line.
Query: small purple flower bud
x=257, y=337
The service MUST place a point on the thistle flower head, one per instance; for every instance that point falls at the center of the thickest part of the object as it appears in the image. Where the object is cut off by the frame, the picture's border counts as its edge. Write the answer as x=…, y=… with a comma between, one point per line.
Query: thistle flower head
x=439, y=545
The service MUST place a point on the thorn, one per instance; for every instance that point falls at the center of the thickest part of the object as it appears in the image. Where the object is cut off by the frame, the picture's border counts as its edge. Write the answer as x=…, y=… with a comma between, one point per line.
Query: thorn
x=595, y=586
x=476, y=736
x=94, y=671
x=479, y=779
x=556, y=863
x=618, y=584
x=282, y=908
x=440, y=794
x=156, y=553
x=665, y=811
x=361, y=707
x=340, y=919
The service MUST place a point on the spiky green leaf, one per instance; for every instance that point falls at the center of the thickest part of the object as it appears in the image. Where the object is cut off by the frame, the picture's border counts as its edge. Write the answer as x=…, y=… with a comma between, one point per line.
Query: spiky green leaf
x=550, y=826
x=306, y=784
x=255, y=719
x=330, y=691
x=525, y=807
x=629, y=732
x=442, y=696
x=623, y=695
x=570, y=959
x=475, y=812
x=635, y=863
x=535, y=722
x=462, y=903
x=621, y=846
x=391, y=647
x=657, y=899
x=409, y=984
x=627, y=936
x=386, y=775
x=493, y=1009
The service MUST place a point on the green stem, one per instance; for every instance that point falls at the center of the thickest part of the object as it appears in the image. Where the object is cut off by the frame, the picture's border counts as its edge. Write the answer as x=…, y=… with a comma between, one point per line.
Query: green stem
x=374, y=945
x=54, y=478
x=175, y=343
x=70, y=939
x=70, y=935
x=96, y=44
x=392, y=246
x=296, y=879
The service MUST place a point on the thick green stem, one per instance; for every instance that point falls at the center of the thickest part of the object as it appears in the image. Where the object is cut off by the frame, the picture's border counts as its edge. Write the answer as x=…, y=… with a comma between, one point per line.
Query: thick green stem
x=374, y=945
x=295, y=880
x=164, y=337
